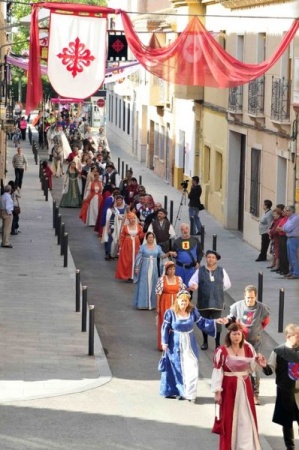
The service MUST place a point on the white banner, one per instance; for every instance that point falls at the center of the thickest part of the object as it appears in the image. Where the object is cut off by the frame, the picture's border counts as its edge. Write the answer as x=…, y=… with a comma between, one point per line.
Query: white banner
x=77, y=54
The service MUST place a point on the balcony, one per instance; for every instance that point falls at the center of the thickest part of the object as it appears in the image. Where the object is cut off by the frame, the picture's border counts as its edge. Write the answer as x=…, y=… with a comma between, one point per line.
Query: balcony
x=256, y=97
x=235, y=100
x=280, y=100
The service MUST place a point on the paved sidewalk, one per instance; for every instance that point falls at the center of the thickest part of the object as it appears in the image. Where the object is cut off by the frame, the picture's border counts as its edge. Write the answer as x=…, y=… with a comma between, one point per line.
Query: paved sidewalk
x=43, y=351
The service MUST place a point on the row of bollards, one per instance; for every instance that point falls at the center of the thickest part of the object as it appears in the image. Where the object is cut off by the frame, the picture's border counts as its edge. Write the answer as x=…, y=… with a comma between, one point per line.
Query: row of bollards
x=62, y=240
x=122, y=169
x=44, y=181
x=260, y=288
x=62, y=236
x=34, y=150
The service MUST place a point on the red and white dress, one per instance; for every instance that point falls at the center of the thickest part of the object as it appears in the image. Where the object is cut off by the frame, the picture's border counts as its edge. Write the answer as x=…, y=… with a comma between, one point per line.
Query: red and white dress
x=91, y=203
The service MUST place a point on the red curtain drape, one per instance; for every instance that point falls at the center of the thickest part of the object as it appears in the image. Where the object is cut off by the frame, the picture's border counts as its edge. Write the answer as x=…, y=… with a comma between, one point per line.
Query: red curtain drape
x=195, y=58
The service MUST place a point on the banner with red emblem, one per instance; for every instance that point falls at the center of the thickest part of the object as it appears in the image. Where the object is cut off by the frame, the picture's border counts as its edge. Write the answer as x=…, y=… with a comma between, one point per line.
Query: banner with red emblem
x=77, y=54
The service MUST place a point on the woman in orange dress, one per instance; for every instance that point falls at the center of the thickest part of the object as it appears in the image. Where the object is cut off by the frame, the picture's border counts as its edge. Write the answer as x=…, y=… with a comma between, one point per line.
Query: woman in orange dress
x=92, y=201
x=129, y=243
x=167, y=289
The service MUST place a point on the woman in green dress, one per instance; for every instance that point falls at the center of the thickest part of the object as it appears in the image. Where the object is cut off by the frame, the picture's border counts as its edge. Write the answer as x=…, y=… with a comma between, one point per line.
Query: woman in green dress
x=71, y=196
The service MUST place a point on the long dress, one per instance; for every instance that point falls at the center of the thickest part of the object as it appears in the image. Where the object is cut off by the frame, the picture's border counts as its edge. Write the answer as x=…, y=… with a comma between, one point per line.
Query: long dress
x=181, y=375
x=231, y=376
x=168, y=292
x=91, y=203
x=71, y=196
x=147, y=277
x=129, y=244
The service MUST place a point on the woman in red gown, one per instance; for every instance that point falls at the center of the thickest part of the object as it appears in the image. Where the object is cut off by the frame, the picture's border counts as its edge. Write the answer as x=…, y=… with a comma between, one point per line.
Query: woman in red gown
x=231, y=384
x=167, y=289
x=129, y=243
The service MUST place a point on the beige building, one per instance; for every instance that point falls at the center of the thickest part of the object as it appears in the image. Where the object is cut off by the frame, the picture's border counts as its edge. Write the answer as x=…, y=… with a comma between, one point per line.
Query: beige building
x=242, y=142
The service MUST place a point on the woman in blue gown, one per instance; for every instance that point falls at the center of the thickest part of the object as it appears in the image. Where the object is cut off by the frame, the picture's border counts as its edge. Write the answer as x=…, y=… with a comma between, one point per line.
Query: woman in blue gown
x=146, y=272
x=178, y=341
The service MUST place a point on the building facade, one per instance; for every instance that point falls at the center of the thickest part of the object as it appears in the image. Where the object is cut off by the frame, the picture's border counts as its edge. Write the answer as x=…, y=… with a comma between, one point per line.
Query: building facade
x=241, y=142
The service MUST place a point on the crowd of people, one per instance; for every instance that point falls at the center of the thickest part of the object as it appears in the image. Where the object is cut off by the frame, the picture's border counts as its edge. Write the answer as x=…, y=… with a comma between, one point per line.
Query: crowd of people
x=167, y=270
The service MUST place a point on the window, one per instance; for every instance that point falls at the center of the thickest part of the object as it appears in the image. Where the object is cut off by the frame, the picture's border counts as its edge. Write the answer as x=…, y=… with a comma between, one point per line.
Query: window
x=218, y=171
x=128, y=119
x=255, y=182
x=162, y=143
x=207, y=164
x=156, y=140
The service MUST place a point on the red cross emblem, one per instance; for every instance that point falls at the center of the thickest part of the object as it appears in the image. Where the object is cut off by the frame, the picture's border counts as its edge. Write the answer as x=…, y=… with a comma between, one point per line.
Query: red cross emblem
x=117, y=46
x=75, y=57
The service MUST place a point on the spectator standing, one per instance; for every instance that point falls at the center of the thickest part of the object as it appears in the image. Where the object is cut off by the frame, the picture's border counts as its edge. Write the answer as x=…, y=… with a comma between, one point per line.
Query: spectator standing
x=195, y=206
x=211, y=281
x=254, y=316
x=274, y=236
x=188, y=251
x=23, y=127
x=291, y=228
x=7, y=216
x=284, y=362
x=282, y=240
x=264, y=226
x=20, y=164
x=15, y=195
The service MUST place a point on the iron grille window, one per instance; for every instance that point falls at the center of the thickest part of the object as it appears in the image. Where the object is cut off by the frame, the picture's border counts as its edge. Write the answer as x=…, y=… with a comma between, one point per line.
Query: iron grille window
x=235, y=99
x=255, y=182
x=280, y=100
x=256, y=95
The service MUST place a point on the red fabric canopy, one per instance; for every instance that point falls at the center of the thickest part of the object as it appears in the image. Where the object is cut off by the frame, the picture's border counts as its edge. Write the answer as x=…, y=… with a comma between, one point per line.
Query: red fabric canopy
x=195, y=58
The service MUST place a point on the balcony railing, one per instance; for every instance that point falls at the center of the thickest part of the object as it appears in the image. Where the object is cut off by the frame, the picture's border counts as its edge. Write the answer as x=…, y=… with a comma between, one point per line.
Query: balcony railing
x=235, y=100
x=256, y=96
x=280, y=100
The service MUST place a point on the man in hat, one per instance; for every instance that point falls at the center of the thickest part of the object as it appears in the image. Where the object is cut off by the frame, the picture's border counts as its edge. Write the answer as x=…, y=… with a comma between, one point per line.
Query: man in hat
x=188, y=254
x=211, y=281
x=163, y=230
x=111, y=177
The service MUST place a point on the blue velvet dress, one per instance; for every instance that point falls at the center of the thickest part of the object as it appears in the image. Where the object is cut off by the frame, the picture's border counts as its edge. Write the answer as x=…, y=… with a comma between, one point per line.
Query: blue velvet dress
x=181, y=375
x=147, y=277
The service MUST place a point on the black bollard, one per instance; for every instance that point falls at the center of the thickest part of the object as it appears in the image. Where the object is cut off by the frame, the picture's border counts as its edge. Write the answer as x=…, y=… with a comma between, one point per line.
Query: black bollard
x=140, y=180
x=40, y=171
x=281, y=310
x=54, y=209
x=260, y=287
x=91, y=331
x=202, y=236
x=62, y=231
x=171, y=211
x=65, y=249
x=192, y=228
x=43, y=182
x=58, y=225
x=46, y=188
x=127, y=168
x=165, y=202
x=55, y=223
x=215, y=242
x=30, y=135
x=84, y=308
x=122, y=169
x=118, y=165
x=77, y=290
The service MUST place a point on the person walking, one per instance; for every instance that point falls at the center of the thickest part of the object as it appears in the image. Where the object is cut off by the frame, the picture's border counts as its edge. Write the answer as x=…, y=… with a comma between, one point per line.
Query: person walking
x=6, y=207
x=264, y=226
x=23, y=127
x=211, y=281
x=254, y=316
x=20, y=164
x=233, y=363
x=179, y=344
x=195, y=206
x=167, y=288
x=188, y=254
x=284, y=362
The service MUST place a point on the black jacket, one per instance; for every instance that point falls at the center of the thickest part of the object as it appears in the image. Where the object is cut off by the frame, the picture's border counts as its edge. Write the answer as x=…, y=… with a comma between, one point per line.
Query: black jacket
x=194, y=196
